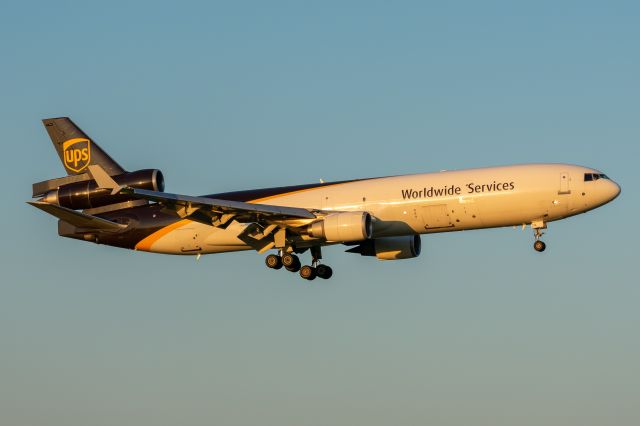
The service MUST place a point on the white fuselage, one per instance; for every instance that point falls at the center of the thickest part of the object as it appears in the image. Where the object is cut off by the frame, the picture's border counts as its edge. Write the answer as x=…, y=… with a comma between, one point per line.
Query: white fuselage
x=425, y=203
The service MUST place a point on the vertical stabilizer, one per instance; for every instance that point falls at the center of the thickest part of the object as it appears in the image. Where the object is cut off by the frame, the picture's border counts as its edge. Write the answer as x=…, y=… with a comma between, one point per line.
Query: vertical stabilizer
x=76, y=150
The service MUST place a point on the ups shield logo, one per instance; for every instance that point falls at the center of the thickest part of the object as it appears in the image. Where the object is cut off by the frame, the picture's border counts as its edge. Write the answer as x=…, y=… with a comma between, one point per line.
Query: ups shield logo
x=77, y=154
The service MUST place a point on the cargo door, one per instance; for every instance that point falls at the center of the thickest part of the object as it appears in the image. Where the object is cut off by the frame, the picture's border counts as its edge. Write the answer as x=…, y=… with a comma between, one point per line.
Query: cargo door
x=436, y=216
x=565, y=200
x=189, y=240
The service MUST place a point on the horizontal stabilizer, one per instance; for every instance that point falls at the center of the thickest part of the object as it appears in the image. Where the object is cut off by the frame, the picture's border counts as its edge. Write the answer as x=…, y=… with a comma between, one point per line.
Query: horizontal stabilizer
x=80, y=220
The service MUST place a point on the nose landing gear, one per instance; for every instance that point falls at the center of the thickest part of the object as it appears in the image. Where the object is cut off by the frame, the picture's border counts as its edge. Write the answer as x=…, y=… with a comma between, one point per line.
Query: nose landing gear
x=538, y=245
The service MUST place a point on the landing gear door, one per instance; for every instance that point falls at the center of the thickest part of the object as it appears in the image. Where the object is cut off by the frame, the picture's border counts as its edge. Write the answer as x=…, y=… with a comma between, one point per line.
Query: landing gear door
x=565, y=183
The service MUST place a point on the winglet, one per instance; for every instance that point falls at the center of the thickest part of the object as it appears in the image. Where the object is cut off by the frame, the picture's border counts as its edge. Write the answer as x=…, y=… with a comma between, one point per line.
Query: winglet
x=103, y=179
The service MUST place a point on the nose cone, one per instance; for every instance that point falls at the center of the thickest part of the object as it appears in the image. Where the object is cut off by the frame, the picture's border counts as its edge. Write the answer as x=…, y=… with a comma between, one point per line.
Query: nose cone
x=613, y=190
x=600, y=192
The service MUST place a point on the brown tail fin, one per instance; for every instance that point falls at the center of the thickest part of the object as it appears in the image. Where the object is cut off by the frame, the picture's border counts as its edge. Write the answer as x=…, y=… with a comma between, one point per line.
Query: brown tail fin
x=77, y=150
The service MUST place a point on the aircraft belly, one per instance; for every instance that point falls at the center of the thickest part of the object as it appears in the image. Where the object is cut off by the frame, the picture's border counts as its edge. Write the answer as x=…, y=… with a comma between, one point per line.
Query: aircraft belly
x=463, y=213
x=497, y=211
x=196, y=238
x=220, y=240
x=443, y=215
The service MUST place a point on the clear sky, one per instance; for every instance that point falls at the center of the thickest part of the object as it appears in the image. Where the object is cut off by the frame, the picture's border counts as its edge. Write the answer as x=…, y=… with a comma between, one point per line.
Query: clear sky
x=224, y=96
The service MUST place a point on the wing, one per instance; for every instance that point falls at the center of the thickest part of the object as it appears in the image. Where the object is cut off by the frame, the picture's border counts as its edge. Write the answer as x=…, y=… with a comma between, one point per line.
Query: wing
x=187, y=205
x=267, y=225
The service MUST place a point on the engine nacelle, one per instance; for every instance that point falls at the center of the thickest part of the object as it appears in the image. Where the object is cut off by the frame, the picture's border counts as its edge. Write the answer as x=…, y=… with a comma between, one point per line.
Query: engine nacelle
x=390, y=248
x=343, y=227
x=87, y=195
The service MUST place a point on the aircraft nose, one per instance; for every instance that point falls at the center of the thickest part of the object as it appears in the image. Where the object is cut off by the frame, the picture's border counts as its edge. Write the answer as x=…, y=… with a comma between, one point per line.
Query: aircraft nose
x=613, y=190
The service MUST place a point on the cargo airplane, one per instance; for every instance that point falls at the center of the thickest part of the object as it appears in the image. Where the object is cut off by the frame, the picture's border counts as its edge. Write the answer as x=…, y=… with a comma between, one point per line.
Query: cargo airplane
x=100, y=202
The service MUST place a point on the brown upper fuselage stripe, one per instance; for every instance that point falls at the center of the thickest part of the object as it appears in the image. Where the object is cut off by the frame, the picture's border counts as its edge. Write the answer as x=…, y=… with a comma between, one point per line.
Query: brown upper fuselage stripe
x=255, y=195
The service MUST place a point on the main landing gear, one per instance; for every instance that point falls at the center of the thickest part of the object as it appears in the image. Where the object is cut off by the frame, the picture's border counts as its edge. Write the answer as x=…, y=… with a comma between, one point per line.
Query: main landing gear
x=291, y=262
x=538, y=245
x=319, y=270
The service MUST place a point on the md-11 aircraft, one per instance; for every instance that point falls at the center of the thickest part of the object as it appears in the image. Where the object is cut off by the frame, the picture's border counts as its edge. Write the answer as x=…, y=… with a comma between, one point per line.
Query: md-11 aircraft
x=101, y=202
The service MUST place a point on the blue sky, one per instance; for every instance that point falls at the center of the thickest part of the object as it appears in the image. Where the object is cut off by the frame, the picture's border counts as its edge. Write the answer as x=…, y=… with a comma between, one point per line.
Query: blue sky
x=224, y=96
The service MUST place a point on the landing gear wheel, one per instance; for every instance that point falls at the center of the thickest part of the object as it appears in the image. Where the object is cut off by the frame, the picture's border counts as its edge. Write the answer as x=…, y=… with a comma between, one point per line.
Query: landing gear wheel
x=539, y=246
x=289, y=259
x=273, y=261
x=308, y=272
x=293, y=268
x=323, y=271
x=291, y=262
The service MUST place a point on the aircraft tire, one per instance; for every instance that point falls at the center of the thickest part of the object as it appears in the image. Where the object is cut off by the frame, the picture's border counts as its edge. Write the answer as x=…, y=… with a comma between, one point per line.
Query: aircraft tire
x=539, y=246
x=273, y=261
x=289, y=259
x=323, y=271
x=293, y=268
x=308, y=272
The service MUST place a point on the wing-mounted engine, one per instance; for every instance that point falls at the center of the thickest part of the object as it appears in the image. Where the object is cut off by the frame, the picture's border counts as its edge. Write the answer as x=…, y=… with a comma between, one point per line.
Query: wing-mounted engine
x=88, y=195
x=390, y=248
x=343, y=227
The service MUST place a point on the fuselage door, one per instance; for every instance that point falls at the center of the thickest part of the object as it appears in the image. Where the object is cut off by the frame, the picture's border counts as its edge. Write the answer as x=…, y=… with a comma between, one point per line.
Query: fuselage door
x=565, y=187
x=188, y=239
x=436, y=216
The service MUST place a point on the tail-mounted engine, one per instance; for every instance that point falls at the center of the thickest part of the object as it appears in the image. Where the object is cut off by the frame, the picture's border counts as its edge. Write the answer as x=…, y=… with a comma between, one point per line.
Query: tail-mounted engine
x=87, y=195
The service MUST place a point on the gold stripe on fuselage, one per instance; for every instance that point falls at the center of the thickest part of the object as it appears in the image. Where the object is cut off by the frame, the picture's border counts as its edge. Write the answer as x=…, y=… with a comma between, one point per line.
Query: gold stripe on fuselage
x=146, y=243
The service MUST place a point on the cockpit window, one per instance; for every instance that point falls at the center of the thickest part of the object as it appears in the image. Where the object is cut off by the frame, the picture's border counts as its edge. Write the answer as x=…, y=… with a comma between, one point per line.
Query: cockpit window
x=594, y=176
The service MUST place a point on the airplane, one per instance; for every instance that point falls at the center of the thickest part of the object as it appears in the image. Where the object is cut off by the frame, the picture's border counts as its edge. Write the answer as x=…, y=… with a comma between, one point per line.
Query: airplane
x=101, y=202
